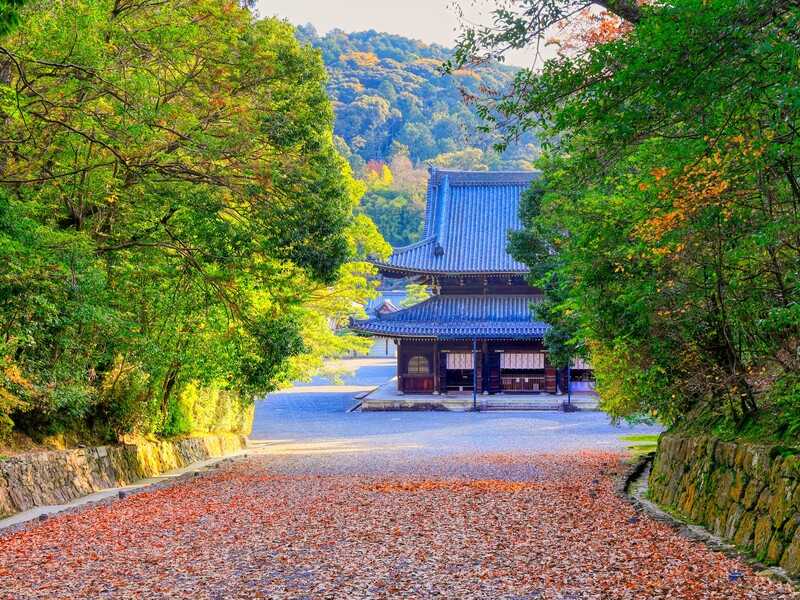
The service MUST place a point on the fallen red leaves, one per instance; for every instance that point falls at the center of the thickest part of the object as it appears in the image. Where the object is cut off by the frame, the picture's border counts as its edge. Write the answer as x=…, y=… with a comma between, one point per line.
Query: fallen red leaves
x=520, y=527
x=427, y=485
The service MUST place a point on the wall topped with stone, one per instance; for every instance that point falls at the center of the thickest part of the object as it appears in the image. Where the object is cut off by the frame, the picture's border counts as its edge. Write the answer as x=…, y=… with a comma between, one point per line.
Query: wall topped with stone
x=745, y=493
x=46, y=478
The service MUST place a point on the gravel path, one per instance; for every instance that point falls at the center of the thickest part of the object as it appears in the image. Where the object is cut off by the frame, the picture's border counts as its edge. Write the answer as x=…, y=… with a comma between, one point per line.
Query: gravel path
x=391, y=505
x=317, y=412
x=505, y=526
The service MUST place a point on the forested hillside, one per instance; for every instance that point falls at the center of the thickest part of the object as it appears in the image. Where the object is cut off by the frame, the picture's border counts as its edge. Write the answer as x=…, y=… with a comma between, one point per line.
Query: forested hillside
x=396, y=112
x=389, y=90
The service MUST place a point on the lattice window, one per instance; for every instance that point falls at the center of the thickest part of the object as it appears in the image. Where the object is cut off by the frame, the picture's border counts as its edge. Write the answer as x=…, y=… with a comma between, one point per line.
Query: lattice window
x=419, y=365
x=522, y=360
x=459, y=360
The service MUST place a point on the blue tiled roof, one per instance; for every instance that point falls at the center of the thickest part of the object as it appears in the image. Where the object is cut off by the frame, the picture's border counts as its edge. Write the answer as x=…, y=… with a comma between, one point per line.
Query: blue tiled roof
x=460, y=317
x=467, y=219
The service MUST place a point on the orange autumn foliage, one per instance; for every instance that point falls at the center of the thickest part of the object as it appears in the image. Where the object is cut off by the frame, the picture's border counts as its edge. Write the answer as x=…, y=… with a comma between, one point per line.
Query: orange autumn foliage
x=591, y=27
x=713, y=181
x=362, y=59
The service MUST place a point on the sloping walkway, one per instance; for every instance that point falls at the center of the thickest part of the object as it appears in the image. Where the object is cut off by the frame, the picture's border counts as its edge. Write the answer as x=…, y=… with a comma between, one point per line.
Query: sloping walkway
x=382, y=505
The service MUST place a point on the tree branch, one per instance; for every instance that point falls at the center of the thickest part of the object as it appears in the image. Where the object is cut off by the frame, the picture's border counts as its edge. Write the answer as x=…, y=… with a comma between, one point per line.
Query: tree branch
x=625, y=9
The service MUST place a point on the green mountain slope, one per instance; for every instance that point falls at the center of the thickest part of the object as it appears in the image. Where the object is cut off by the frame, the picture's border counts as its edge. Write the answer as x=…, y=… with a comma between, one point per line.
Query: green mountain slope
x=387, y=92
x=396, y=113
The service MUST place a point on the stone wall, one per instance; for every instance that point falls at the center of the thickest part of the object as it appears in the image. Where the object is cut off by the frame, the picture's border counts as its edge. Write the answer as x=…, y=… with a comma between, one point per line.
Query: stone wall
x=45, y=478
x=745, y=493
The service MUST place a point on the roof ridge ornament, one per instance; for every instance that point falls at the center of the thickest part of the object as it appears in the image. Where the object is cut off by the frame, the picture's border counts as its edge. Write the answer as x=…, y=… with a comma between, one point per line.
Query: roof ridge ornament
x=441, y=230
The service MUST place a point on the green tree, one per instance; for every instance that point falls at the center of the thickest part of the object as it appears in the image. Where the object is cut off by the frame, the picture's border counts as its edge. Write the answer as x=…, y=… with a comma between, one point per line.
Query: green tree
x=171, y=199
x=327, y=311
x=671, y=195
x=9, y=15
x=415, y=293
x=396, y=203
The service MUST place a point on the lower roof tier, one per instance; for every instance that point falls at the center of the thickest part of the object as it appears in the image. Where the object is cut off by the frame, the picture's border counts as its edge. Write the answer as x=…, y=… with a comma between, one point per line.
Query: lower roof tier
x=460, y=317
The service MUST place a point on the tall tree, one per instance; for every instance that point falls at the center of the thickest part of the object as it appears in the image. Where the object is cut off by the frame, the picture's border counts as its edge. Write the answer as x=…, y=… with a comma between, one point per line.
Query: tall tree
x=671, y=196
x=170, y=195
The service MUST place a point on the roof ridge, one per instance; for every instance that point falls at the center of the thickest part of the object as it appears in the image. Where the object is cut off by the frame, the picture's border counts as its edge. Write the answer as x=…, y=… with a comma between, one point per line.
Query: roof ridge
x=452, y=297
x=492, y=316
x=458, y=177
x=467, y=217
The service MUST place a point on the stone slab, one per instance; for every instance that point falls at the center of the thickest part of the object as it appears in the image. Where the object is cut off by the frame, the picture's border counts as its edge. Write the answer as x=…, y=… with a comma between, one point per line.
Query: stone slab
x=386, y=397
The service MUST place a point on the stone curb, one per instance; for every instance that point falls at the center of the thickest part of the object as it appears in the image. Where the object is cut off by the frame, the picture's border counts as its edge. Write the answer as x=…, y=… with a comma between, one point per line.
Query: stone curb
x=632, y=487
x=32, y=517
x=632, y=472
x=35, y=481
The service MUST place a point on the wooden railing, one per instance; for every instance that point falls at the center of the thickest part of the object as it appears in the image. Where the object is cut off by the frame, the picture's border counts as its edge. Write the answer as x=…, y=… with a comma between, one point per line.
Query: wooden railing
x=523, y=383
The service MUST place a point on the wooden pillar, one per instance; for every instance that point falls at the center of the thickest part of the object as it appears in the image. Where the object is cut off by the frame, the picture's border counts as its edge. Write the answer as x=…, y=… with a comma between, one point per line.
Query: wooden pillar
x=399, y=366
x=436, y=359
x=485, y=367
x=474, y=374
x=442, y=372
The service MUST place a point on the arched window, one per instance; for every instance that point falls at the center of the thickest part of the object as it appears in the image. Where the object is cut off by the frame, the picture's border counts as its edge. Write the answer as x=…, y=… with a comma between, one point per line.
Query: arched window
x=418, y=365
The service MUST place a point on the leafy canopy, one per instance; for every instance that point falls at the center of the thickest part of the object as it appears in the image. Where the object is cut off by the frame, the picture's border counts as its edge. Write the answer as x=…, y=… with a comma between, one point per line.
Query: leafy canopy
x=667, y=235
x=172, y=201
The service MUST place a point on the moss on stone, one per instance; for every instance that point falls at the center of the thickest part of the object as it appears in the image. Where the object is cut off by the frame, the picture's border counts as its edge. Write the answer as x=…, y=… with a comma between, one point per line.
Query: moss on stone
x=744, y=534
x=752, y=493
x=791, y=556
x=45, y=478
x=748, y=493
x=762, y=536
x=774, y=549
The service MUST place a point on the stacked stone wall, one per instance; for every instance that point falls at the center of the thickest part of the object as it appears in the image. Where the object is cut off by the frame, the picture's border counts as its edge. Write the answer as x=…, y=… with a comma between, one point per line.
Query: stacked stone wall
x=47, y=478
x=747, y=494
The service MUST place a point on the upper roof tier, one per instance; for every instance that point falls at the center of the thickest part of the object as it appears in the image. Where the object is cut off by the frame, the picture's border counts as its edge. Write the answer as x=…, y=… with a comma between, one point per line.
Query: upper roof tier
x=467, y=219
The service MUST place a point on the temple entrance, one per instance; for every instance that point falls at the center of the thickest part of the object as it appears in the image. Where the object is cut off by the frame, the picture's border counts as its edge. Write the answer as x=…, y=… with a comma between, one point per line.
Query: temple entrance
x=459, y=372
x=496, y=367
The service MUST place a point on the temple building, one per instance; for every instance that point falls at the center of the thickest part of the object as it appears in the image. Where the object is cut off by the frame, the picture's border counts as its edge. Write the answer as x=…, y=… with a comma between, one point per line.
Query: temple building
x=476, y=332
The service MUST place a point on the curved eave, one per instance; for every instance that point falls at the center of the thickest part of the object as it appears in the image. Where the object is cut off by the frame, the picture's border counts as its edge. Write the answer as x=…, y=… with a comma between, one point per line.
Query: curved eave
x=387, y=268
x=436, y=331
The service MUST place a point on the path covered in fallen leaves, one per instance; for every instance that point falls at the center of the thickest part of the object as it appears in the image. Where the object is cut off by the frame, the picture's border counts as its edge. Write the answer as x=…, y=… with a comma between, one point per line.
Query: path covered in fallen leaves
x=285, y=525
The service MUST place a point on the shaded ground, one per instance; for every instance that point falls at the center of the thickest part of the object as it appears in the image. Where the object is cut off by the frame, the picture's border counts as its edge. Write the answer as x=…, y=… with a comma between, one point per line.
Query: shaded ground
x=424, y=506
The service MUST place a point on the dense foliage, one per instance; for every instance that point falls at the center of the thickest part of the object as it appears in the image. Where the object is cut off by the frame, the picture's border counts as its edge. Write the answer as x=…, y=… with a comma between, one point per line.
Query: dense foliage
x=668, y=234
x=175, y=216
x=9, y=14
x=395, y=198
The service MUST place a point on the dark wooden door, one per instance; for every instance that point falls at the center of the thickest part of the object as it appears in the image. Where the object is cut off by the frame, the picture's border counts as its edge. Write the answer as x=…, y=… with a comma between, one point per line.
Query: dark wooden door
x=492, y=376
x=550, y=380
x=420, y=384
x=442, y=372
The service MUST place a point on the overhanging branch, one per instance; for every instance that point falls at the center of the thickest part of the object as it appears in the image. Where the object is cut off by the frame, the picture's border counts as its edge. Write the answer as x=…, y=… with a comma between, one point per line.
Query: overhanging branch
x=625, y=9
